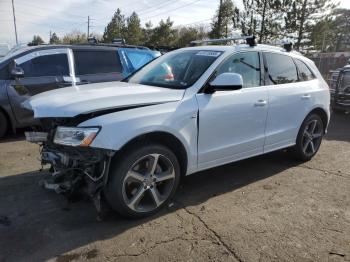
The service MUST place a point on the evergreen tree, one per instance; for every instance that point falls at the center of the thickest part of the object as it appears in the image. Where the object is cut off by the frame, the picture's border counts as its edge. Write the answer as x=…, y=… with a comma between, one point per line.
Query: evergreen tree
x=134, y=31
x=147, y=33
x=37, y=40
x=184, y=35
x=54, y=39
x=116, y=27
x=302, y=14
x=163, y=34
x=225, y=20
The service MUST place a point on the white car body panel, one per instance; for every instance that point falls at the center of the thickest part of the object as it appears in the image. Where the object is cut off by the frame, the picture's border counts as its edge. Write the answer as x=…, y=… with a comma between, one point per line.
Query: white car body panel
x=214, y=128
x=231, y=125
x=76, y=100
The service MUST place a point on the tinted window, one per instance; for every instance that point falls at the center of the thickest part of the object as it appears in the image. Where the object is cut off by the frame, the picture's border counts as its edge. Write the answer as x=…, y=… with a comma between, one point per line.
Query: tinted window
x=48, y=65
x=305, y=73
x=281, y=69
x=4, y=73
x=138, y=58
x=246, y=64
x=96, y=62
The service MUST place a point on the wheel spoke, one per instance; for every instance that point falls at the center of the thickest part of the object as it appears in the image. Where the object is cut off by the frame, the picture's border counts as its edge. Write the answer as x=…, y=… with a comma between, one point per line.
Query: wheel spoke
x=313, y=126
x=136, y=198
x=312, y=146
x=165, y=176
x=156, y=196
x=306, y=145
x=153, y=163
x=135, y=175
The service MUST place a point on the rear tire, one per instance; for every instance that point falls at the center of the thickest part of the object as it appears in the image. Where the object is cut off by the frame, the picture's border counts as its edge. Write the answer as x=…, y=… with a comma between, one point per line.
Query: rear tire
x=3, y=125
x=309, y=138
x=142, y=180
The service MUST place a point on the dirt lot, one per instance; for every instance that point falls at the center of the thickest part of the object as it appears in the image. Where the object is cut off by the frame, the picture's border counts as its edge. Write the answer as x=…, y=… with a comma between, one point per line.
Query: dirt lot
x=264, y=209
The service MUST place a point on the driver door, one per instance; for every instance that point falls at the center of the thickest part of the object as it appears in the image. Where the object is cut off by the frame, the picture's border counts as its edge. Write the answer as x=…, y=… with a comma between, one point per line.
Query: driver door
x=44, y=70
x=232, y=123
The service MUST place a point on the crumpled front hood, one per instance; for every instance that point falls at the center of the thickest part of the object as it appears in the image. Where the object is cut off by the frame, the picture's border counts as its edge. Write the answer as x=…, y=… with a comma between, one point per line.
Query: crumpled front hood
x=84, y=99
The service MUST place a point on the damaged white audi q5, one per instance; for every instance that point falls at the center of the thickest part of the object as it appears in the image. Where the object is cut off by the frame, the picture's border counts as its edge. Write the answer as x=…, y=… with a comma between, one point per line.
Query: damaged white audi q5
x=189, y=110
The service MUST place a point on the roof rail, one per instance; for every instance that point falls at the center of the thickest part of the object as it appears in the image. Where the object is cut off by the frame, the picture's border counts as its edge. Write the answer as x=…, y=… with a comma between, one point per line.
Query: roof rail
x=249, y=39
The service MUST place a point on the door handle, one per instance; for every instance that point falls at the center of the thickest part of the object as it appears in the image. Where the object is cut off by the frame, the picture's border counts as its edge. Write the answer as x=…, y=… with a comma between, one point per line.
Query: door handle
x=261, y=102
x=306, y=96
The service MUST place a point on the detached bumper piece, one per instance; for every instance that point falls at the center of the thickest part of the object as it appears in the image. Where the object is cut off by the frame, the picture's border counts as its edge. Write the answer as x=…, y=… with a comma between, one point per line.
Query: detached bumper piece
x=77, y=172
x=36, y=137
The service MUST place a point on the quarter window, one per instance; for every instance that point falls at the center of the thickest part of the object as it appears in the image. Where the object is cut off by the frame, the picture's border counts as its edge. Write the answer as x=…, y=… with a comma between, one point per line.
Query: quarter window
x=305, y=73
x=281, y=69
x=96, y=62
x=246, y=64
x=46, y=65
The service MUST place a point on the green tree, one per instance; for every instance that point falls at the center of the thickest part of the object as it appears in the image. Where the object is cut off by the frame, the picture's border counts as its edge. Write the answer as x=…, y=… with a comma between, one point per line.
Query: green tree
x=54, y=39
x=74, y=37
x=116, y=28
x=184, y=35
x=37, y=40
x=147, y=32
x=133, y=34
x=302, y=15
x=163, y=34
x=225, y=19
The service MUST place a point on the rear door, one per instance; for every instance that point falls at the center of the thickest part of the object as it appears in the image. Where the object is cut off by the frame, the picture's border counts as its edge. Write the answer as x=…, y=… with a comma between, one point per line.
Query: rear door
x=290, y=99
x=44, y=70
x=94, y=65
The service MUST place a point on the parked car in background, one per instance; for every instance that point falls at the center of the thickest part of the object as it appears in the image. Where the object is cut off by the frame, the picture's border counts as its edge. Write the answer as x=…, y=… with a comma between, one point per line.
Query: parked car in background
x=32, y=70
x=4, y=49
x=189, y=110
x=340, y=90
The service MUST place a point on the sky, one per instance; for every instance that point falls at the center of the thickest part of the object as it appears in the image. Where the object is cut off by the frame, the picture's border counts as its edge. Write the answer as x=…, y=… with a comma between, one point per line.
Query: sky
x=39, y=17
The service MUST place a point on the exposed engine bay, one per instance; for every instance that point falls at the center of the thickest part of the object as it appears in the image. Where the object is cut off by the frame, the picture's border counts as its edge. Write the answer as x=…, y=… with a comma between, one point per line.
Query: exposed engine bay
x=74, y=171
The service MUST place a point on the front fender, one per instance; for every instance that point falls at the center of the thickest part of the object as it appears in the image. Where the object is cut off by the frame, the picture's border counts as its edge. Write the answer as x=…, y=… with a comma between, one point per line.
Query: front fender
x=175, y=118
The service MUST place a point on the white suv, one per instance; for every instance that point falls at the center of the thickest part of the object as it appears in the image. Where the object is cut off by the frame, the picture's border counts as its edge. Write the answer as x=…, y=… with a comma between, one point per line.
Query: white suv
x=192, y=109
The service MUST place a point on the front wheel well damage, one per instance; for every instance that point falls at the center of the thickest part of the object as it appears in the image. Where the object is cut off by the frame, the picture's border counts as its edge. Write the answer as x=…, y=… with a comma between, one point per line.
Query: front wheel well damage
x=163, y=138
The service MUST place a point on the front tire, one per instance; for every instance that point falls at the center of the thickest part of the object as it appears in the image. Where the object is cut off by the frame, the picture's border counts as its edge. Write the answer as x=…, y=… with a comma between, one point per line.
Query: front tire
x=142, y=180
x=309, y=138
x=3, y=125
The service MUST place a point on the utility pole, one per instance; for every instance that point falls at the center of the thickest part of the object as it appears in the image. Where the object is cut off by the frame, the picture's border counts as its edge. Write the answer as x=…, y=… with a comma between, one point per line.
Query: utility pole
x=88, y=27
x=14, y=21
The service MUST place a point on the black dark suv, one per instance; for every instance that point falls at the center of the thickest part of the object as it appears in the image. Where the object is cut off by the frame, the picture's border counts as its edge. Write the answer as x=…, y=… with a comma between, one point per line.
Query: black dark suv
x=340, y=90
x=32, y=70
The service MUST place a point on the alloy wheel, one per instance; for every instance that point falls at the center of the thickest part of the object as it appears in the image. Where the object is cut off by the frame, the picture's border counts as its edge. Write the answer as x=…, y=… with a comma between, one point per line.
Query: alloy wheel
x=312, y=137
x=148, y=183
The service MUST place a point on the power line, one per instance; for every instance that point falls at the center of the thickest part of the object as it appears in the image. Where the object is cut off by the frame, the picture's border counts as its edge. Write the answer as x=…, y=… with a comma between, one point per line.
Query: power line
x=174, y=9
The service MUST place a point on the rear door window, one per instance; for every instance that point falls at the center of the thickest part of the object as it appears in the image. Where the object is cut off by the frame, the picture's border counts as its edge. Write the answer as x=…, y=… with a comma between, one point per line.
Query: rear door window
x=281, y=69
x=96, y=62
x=46, y=65
x=305, y=73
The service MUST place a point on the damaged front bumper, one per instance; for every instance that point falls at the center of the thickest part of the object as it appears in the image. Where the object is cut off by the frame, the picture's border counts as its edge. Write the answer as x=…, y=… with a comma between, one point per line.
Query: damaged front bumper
x=74, y=171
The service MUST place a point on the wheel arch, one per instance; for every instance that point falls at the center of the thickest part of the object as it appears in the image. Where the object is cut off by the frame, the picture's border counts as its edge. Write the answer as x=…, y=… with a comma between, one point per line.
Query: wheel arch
x=9, y=120
x=167, y=139
x=322, y=114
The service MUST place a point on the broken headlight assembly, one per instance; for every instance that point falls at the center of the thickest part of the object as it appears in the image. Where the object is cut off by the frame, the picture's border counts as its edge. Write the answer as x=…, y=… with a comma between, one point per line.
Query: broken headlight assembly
x=75, y=136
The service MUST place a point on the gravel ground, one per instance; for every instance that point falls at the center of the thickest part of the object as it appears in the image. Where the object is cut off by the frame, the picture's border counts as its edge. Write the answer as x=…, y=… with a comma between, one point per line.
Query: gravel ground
x=268, y=208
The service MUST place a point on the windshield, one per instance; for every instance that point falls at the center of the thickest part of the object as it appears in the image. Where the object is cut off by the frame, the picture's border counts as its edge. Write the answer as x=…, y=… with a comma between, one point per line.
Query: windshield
x=176, y=69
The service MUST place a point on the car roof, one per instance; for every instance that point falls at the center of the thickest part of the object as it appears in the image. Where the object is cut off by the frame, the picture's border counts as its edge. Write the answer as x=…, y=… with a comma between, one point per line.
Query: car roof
x=27, y=49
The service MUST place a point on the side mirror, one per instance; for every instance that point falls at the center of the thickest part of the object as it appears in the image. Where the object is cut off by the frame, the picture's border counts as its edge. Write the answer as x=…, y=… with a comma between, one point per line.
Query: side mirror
x=17, y=72
x=226, y=82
